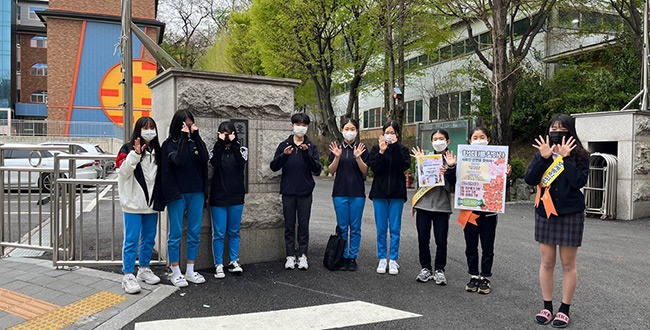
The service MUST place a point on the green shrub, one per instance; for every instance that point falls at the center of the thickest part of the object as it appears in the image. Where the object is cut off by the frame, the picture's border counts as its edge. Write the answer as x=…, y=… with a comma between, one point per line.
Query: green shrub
x=518, y=168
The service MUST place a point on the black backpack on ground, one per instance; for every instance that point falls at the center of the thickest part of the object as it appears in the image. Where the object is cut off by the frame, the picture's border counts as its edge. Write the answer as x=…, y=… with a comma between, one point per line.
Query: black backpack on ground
x=334, y=251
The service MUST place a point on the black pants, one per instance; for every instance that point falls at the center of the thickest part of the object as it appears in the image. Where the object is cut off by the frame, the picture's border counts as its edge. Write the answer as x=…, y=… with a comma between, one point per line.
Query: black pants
x=300, y=206
x=440, y=222
x=485, y=231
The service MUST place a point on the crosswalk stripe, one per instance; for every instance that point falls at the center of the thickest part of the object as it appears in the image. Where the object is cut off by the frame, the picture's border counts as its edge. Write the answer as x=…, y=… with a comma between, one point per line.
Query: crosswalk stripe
x=329, y=316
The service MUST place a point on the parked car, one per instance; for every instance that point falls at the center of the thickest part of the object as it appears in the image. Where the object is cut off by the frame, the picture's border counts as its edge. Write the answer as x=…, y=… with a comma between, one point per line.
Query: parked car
x=82, y=148
x=42, y=159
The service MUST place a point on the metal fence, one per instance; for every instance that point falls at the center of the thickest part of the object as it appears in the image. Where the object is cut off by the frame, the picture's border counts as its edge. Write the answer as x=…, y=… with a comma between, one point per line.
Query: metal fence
x=78, y=220
x=21, y=127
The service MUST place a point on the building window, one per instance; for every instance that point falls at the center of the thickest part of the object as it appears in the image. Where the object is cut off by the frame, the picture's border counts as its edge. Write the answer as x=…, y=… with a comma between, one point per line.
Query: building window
x=433, y=108
x=39, y=97
x=413, y=111
x=33, y=11
x=465, y=99
x=372, y=118
x=38, y=42
x=38, y=69
x=450, y=106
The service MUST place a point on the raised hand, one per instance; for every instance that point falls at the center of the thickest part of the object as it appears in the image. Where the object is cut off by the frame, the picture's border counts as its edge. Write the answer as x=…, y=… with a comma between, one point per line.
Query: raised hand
x=335, y=149
x=184, y=128
x=222, y=136
x=359, y=150
x=416, y=152
x=450, y=158
x=303, y=146
x=567, y=146
x=382, y=144
x=137, y=147
x=232, y=137
x=288, y=150
x=544, y=146
x=194, y=128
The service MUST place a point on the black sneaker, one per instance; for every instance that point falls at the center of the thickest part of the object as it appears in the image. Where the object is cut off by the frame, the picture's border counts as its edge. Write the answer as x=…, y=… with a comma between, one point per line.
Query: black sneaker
x=344, y=264
x=484, y=285
x=472, y=285
x=352, y=265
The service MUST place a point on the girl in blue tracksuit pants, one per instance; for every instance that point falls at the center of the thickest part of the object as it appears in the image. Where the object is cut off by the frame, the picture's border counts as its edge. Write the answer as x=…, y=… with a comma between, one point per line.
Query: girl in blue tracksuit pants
x=184, y=168
x=388, y=161
x=138, y=166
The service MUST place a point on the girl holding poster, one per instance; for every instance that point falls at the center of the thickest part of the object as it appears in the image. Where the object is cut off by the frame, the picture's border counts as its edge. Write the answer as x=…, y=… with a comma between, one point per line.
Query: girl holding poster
x=388, y=160
x=432, y=206
x=563, y=164
x=482, y=227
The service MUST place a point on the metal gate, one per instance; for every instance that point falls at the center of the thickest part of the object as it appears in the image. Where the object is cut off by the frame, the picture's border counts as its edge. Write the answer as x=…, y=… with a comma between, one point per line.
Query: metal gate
x=600, y=191
x=83, y=225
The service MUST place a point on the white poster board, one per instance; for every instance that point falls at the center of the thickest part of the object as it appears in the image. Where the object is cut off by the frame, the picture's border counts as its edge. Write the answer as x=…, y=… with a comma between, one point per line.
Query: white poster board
x=428, y=168
x=481, y=178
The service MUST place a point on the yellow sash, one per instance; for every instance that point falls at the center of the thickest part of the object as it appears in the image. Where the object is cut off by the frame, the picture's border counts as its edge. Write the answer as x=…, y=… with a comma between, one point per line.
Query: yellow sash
x=419, y=194
x=551, y=173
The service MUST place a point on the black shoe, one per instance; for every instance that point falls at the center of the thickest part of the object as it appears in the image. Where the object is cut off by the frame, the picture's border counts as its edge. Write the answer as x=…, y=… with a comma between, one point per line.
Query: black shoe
x=484, y=285
x=344, y=264
x=472, y=285
x=352, y=265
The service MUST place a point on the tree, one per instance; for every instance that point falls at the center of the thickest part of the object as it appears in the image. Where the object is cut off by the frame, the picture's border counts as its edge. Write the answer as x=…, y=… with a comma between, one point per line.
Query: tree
x=508, y=51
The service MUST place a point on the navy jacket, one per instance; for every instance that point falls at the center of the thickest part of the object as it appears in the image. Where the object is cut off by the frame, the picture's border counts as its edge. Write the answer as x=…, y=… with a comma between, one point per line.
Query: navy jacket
x=565, y=190
x=389, y=181
x=228, y=177
x=298, y=168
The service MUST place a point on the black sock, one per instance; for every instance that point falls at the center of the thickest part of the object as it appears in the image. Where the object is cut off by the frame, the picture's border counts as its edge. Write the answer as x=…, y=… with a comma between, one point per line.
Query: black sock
x=564, y=308
x=548, y=304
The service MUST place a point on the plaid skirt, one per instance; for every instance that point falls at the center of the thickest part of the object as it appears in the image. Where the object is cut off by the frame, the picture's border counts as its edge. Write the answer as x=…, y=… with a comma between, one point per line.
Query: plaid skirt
x=563, y=230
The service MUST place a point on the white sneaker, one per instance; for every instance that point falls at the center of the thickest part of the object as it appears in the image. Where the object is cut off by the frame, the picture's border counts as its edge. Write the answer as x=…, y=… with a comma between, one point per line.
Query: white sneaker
x=291, y=263
x=179, y=281
x=235, y=267
x=393, y=267
x=146, y=275
x=302, y=262
x=439, y=277
x=130, y=284
x=381, y=268
x=219, y=272
x=195, y=278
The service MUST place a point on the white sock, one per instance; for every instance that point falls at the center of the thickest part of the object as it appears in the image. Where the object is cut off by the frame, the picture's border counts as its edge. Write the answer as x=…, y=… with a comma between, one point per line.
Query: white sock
x=142, y=269
x=176, y=271
x=190, y=269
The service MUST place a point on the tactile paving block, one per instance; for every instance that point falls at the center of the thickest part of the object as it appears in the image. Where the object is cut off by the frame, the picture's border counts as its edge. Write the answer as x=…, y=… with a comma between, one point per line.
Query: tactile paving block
x=23, y=306
x=67, y=315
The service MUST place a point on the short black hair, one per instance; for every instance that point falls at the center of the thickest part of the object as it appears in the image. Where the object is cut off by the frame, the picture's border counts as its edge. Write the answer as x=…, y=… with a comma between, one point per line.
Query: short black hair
x=441, y=131
x=394, y=125
x=479, y=128
x=350, y=120
x=300, y=118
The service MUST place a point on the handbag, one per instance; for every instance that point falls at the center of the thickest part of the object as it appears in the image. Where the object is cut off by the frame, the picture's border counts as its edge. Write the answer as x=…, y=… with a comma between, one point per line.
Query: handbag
x=334, y=251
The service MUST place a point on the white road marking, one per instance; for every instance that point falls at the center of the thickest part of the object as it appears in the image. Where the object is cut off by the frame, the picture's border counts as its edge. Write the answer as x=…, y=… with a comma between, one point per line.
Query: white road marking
x=93, y=202
x=329, y=316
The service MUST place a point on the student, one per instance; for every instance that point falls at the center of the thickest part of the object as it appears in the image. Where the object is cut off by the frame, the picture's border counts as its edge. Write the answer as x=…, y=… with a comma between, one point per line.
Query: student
x=484, y=231
x=137, y=161
x=388, y=161
x=433, y=206
x=227, y=196
x=184, y=169
x=298, y=158
x=348, y=160
x=559, y=214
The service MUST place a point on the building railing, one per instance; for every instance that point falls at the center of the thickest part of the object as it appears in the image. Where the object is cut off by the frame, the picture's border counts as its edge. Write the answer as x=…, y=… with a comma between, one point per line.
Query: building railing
x=21, y=127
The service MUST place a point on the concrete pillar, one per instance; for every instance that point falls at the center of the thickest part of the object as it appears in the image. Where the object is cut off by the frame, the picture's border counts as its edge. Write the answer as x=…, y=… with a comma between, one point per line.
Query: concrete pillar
x=267, y=105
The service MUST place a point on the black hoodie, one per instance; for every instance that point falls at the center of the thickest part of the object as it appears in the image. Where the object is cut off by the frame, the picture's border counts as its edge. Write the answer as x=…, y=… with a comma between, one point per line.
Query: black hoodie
x=228, y=178
x=389, y=181
x=297, y=168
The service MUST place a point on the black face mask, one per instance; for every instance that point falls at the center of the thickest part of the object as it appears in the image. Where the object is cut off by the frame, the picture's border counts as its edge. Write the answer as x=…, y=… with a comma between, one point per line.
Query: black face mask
x=556, y=137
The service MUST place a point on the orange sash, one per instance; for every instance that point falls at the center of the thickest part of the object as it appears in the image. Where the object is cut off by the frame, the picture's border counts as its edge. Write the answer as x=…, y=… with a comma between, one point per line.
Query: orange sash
x=467, y=216
x=549, y=176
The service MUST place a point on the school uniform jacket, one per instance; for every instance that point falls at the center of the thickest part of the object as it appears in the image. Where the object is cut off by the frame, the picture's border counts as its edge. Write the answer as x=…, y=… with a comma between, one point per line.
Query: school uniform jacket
x=298, y=168
x=228, y=176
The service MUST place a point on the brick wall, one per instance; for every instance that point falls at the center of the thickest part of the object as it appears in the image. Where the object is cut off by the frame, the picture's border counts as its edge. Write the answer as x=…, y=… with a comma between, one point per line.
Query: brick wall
x=140, y=8
x=28, y=57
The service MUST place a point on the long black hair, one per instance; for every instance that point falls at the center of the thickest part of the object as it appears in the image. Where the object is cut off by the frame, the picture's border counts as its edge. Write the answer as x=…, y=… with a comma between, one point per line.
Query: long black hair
x=567, y=122
x=176, y=125
x=228, y=127
x=154, y=144
x=395, y=126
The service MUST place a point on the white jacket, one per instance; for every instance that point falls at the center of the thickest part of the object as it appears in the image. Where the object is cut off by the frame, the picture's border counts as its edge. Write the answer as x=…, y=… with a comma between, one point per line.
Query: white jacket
x=132, y=196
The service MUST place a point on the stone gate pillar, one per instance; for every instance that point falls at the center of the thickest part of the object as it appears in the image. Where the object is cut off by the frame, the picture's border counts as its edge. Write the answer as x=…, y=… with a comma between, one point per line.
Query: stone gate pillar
x=266, y=105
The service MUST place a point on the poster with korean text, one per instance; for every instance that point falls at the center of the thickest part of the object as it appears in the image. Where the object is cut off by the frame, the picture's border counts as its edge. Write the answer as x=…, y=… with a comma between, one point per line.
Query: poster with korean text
x=481, y=178
x=428, y=168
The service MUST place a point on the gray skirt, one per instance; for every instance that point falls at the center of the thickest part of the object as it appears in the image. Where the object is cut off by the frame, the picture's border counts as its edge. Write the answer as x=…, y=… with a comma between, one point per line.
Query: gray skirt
x=563, y=230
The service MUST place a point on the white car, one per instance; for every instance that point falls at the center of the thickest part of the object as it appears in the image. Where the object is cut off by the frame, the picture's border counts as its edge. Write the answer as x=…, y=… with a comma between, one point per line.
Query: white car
x=81, y=148
x=41, y=159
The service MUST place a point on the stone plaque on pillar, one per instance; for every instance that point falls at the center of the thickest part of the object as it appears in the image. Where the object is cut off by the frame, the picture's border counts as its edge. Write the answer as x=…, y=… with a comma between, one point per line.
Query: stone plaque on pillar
x=261, y=109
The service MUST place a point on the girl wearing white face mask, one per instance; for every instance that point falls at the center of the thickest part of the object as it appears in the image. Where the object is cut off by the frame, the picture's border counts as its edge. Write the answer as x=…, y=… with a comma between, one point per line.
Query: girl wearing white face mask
x=484, y=231
x=138, y=166
x=433, y=206
x=348, y=161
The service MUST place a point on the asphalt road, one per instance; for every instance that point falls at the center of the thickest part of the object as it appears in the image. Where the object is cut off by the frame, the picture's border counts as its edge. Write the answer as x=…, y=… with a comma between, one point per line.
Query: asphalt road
x=612, y=267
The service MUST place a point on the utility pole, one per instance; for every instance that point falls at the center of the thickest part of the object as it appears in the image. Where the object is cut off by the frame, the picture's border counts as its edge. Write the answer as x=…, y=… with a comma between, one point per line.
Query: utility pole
x=643, y=94
x=127, y=69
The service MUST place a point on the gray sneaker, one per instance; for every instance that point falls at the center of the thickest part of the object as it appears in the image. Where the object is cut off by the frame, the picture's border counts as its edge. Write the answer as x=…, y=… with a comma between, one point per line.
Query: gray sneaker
x=146, y=275
x=439, y=276
x=424, y=276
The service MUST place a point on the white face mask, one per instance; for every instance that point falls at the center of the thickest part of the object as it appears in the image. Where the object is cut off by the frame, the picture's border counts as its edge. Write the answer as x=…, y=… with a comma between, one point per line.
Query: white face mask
x=389, y=138
x=349, y=135
x=439, y=145
x=148, y=134
x=300, y=131
x=479, y=142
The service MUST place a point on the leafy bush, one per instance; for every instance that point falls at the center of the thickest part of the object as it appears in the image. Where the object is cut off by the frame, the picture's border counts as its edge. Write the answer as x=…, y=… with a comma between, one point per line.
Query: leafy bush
x=518, y=168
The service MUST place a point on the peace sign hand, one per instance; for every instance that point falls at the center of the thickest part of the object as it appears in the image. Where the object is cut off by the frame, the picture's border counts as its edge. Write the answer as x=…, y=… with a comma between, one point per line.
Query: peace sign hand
x=544, y=146
x=137, y=147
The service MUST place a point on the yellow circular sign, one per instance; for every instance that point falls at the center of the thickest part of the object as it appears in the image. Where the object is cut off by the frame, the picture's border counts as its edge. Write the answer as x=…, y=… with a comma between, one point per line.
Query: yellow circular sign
x=110, y=91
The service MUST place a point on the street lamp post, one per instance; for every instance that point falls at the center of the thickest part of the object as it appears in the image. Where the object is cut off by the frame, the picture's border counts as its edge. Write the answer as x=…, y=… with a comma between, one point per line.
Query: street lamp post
x=127, y=69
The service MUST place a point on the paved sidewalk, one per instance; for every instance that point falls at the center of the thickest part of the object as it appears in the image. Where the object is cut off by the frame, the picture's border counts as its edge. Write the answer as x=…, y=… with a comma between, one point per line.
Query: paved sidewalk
x=33, y=295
